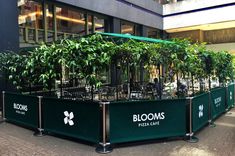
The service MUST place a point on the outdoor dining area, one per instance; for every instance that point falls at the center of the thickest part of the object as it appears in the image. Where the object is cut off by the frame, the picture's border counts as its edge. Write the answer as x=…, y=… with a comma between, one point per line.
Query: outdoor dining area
x=109, y=88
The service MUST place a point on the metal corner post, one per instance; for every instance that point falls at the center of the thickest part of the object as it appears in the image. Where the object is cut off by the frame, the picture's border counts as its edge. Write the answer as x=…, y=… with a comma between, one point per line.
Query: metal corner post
x=104, y=146
x=190, y=136
x=226, y=97
x=39, y=131
x=211, y=123
x=3, y=106
x=233, y=94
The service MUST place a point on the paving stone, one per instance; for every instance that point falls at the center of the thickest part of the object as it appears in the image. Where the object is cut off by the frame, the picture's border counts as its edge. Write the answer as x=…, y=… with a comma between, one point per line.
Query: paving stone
x=217, y=141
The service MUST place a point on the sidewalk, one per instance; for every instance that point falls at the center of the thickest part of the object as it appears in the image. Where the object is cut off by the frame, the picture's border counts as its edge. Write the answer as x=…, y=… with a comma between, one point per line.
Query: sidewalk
x=217, y=141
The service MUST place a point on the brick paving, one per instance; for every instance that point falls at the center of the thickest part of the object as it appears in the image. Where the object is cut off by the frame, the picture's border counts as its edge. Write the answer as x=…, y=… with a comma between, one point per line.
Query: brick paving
x=14, y=146
x=217, y=141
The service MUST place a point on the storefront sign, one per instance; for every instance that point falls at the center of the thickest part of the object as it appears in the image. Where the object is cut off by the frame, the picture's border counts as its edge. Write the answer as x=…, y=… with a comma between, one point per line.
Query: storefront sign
x=142, y=120
x=150, y=119
x=22, y=109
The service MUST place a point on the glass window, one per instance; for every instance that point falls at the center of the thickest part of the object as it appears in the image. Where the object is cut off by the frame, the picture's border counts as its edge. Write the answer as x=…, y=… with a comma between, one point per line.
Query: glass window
x=90, y=24
x=127, y=28
x=153, y=33
x=50, y=28
x=30, y=17
x=30, y=14
x=70, y=22
x=99, y=24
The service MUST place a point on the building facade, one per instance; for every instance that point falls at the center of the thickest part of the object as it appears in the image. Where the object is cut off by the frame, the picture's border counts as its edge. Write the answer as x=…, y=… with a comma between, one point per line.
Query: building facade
x=36, y=21
x=27, y=23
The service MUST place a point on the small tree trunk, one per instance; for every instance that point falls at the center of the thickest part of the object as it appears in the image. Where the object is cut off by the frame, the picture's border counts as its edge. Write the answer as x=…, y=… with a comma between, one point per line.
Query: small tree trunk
x=188, y=84
x=6, y=79
x=61, y=82
x=177, y=84
x=30, y=88
x=192, y=86
x=200, y=85
x=160, y=81
x=73, y=78
x=116, y=81
x=209, y=82
x=141, y=73
x=92, y=92
x=128, y=83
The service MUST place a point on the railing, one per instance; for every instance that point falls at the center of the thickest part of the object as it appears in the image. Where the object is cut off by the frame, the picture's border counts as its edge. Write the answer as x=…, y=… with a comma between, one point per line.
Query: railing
x=106, y=123
x=36, y=36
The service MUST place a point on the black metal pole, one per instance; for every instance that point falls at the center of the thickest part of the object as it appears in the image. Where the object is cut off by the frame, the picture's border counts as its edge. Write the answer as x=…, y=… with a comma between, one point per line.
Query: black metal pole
x=104, y=146
x=3, y=105
x=191, y=137
x=39, y=131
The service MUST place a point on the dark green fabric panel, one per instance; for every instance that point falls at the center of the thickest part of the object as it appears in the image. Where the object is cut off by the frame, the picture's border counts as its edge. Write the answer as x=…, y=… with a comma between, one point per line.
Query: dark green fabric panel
x=217, y=102
x=21, y=109
x=142, y=120
x=78, y=119
x=200, y=111
x=230, y=96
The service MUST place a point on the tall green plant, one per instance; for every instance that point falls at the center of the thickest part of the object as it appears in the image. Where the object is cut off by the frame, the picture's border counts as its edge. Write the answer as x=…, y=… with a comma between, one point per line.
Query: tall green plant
x=223, y=66
x=12, y=65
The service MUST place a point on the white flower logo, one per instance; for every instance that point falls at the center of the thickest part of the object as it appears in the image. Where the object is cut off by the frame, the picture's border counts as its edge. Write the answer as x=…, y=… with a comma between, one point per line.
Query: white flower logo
x=68, y=118
x=200, y=114
x=231, y=95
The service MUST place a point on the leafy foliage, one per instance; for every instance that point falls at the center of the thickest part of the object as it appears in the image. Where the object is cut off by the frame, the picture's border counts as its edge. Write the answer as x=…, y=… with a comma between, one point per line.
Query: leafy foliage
x=88, y=56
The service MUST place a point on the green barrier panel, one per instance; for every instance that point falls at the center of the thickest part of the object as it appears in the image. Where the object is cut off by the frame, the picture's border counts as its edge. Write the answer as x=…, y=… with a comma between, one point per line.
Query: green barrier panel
x=230, y=96
x=200, y=111
x=142, y=120
x=217, y=102
x=22, y=109
x=78, y=119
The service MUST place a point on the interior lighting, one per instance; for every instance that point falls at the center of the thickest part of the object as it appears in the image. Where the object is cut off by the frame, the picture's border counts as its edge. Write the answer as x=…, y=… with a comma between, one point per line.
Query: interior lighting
x=126, y=30
x=205, y=27
x=22, y=18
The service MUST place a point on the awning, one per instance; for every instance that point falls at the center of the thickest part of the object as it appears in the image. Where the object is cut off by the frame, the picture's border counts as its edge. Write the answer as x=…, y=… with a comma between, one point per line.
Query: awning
x=128, y=36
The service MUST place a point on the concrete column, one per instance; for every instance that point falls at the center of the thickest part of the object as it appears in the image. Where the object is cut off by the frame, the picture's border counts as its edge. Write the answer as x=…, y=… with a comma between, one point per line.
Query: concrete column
x=86, y=24
x=115, y=27
x=45, y=27
x=164, y=35
x=93, y=23
x=54, y=23
x=107, y=25
x=9, y=29
x=144, y=33
x=44, y=20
